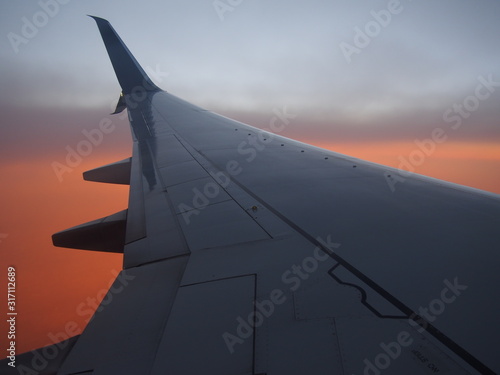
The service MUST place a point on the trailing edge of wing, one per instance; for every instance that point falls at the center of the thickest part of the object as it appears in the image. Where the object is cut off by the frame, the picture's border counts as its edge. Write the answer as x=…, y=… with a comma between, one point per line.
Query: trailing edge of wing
x=46, y=360
x=128, y=71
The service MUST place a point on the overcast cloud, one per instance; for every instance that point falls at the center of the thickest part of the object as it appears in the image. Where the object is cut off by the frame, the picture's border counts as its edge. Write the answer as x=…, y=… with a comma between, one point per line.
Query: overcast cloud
x=250, y=58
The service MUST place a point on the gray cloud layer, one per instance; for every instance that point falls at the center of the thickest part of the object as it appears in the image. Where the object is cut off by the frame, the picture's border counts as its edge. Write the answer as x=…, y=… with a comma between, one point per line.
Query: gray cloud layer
x=264, y=55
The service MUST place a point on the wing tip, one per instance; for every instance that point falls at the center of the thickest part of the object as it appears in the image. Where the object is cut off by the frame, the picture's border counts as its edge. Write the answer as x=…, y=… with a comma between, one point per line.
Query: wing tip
x=129, y=72
x=95, y=18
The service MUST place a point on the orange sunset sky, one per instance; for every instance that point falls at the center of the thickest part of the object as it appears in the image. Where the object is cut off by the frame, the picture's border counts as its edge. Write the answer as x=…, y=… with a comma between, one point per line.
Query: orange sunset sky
x=58, y=288
x=432, y=65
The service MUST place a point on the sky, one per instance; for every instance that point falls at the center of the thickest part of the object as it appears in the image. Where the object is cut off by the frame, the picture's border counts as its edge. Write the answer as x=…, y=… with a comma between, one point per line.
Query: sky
x=377, y=80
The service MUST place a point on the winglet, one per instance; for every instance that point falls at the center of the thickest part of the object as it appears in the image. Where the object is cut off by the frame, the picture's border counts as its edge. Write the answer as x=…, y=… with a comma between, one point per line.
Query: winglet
x=128, y=71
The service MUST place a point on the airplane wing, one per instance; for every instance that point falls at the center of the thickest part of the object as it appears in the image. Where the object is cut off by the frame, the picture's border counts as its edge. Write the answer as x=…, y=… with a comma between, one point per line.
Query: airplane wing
x=249, y=253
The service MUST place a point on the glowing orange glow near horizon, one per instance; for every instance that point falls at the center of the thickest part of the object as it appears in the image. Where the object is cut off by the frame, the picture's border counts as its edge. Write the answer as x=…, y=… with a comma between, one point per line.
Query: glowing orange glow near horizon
x=55, y=285
x=474, y=164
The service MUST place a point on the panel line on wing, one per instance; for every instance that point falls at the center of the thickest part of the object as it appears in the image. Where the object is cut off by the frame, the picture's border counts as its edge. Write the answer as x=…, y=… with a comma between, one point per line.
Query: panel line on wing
x=212, y=170
x=410, y=314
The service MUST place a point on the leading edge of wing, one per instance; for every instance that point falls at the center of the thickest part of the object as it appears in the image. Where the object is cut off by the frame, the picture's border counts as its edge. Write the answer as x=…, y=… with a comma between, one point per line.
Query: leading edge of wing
x=128, y=71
